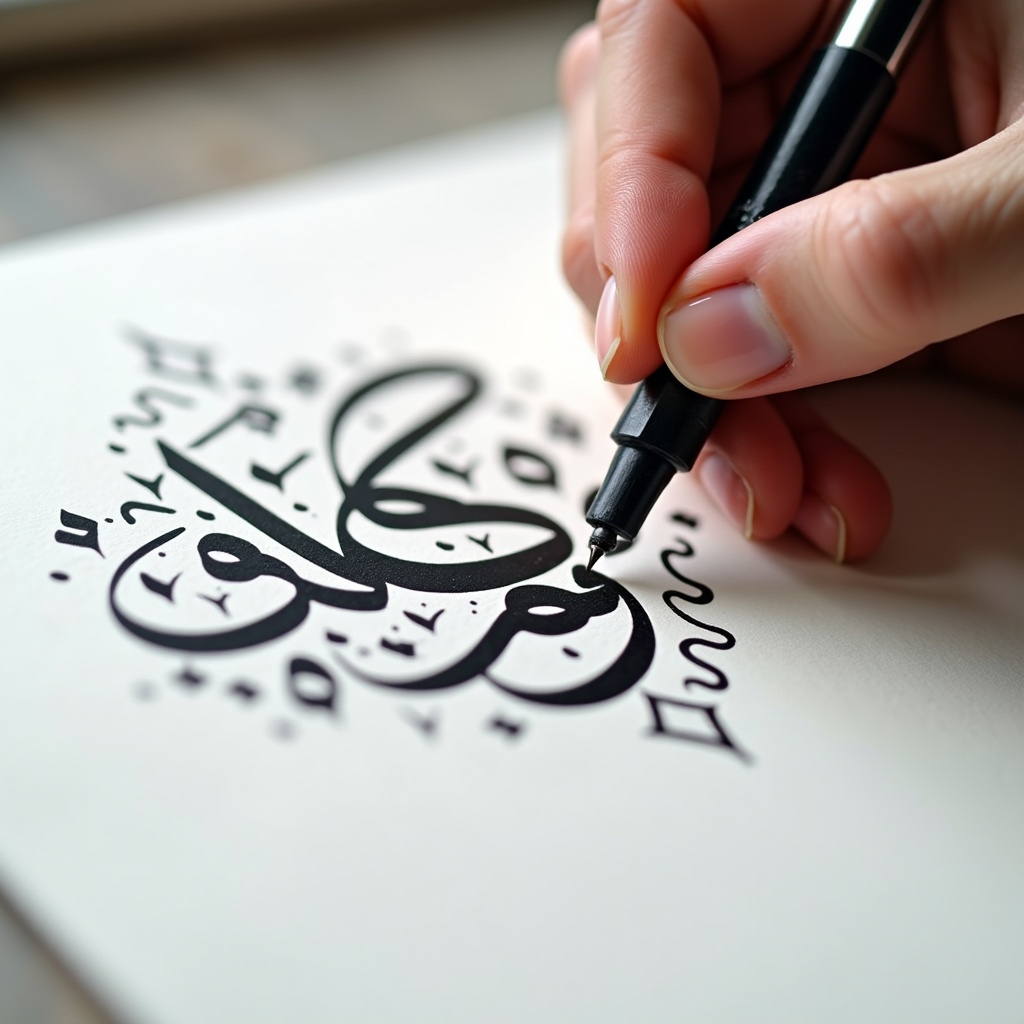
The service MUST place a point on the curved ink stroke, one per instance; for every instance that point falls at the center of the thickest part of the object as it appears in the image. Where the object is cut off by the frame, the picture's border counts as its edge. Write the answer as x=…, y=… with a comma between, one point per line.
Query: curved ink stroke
x=601, y=596
x=365, y=565
x=376, y=466
x=370, y=567
x=253, y=512
x=247, y=563
x=359, y=564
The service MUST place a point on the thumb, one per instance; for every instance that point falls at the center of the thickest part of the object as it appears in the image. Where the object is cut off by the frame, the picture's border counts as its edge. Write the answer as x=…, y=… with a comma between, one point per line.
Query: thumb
x=856, y=278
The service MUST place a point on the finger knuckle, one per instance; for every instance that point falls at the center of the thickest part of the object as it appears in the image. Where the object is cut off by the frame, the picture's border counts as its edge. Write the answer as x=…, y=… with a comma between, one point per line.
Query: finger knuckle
x=614, y=15
x=881, y=242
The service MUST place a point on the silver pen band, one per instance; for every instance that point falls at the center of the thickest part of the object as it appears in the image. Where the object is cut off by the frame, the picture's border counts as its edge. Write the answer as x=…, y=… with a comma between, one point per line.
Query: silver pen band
x=886, y=29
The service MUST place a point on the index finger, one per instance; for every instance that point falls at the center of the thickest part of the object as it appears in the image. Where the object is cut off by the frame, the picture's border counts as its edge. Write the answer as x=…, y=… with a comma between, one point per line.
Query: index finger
x=663, y=65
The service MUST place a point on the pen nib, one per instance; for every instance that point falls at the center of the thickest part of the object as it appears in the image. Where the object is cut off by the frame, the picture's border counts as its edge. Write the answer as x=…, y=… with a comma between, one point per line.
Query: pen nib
x=602, y=540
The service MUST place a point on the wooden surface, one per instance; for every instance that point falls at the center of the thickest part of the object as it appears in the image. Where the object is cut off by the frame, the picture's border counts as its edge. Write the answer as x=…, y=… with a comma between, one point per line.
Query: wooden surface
x=93, y=140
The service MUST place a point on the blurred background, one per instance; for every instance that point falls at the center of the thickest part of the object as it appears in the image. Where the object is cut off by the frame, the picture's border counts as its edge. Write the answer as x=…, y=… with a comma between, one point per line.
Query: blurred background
x=110, y=106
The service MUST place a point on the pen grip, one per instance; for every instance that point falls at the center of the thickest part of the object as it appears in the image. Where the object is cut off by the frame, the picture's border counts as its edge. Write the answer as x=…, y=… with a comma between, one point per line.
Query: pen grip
x=817, y=140
x=822, y=131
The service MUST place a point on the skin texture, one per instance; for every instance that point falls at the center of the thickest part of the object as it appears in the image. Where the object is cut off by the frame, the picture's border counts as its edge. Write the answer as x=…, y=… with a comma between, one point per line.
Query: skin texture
x=919, y=259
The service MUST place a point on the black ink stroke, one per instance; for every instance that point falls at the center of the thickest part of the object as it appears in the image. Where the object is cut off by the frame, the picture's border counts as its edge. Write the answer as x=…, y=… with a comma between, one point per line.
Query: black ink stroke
x=268, y=476
x=601, y=597
x=401, y=647
x=244, y=691
x=180, y=361
x=562, y=427
x=512, y=731
x=130, y=507
x=528, y=608
x=428, y=624
x=312, y=685
x=427, y=724
x=305, y=380
x=465, y=475
x=220, y=602
x=158, y=587
x=244, y=562
x=189, y=677
x=153, y=486
x=726, y=643
x=701, y=593
x=713, y=735
x=685, y=519
x=255, y=417
x=530, y=468
x=370, y=567
x=144, y=399
x=88, y=535
x=253, y=513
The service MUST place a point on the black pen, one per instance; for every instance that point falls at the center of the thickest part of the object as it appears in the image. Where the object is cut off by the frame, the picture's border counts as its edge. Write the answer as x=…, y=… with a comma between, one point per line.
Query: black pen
x=819, y=136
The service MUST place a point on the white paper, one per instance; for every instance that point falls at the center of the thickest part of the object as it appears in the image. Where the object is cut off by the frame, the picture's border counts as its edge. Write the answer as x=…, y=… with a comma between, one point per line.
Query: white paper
x=279, y=832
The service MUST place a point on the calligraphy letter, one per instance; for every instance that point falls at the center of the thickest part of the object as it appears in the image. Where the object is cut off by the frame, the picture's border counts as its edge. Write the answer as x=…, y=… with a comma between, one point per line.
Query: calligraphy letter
x=89, y=537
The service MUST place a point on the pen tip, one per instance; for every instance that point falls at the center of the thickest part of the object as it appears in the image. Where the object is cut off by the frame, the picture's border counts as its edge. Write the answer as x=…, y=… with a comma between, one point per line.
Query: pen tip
x=602, y=540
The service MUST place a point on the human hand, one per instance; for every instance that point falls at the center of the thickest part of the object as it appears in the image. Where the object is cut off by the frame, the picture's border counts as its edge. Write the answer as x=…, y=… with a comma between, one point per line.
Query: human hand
x=668, y=103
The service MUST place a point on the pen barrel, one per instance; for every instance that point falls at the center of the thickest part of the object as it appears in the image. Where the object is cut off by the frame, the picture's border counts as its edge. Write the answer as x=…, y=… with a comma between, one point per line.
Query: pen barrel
x=634, y=483
x=667, y=419
x=661, y=430
x=822, y=131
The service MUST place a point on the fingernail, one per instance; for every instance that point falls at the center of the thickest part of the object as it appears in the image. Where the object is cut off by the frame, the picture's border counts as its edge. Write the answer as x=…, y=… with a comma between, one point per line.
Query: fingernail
x=823, y=525
x=607, y=327
x=733, y=495
x=722, y=340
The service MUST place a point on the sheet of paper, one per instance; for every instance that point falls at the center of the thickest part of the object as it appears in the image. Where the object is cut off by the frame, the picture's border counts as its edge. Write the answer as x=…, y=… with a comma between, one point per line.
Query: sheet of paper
x=309, y=713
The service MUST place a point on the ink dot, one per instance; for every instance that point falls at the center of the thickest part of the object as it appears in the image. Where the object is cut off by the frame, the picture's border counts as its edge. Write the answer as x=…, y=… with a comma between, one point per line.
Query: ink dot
x=283, y=729
x=394, y=629
x=337, y=638
x=162, y=554
x=363, y=652
x=61, y=577
x=205, y=515
x=445, y=547
x=116, y=448
x=423, y=604
x=108, y=520
x=299, y=507
x=244, y=691
x=570, y=652
x=472, y=602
